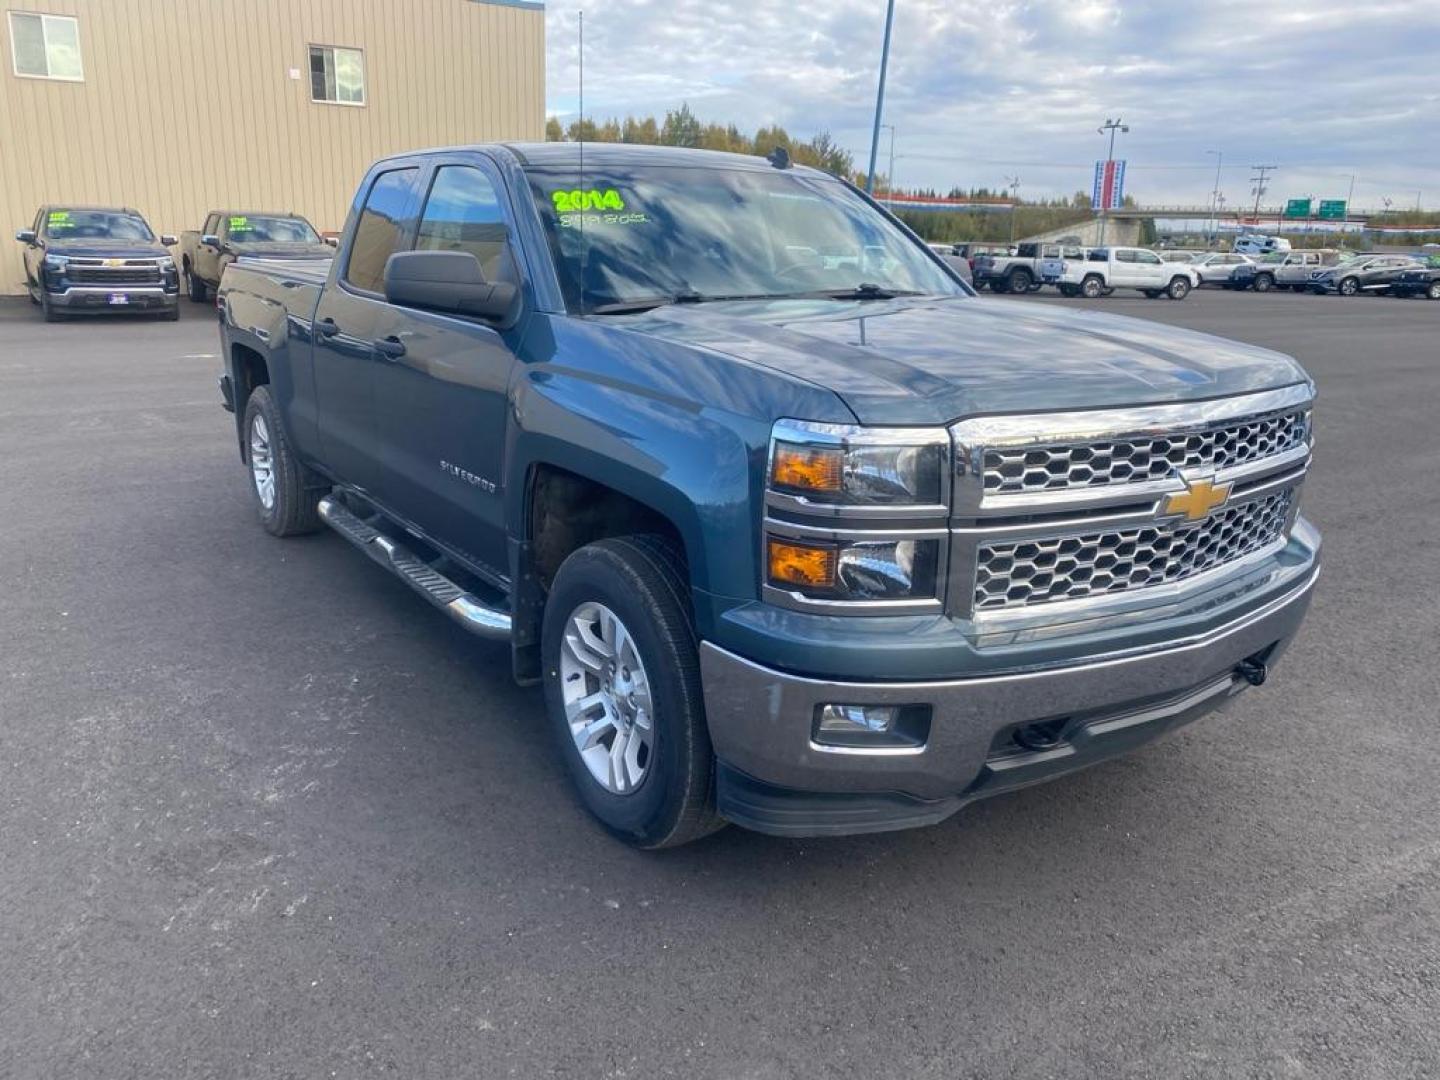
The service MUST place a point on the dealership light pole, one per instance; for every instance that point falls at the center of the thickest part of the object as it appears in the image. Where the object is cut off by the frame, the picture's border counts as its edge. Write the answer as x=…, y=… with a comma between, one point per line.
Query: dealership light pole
x=1112, y=126
x=890, y=173
x=880, y=97
x=1013, y=183
x=1214, y=218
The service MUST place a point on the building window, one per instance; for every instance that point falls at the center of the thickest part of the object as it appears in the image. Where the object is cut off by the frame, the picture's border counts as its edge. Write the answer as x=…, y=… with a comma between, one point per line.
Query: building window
x=337, y=75
x=45, y=46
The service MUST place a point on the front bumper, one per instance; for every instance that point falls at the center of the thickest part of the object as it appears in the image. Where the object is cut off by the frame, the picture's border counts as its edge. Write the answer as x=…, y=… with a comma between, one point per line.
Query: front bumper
x=774, y=778
x=101, y=297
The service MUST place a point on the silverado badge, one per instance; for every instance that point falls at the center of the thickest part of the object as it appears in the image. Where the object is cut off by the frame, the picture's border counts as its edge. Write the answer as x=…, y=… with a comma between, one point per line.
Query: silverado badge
x=1201, y=495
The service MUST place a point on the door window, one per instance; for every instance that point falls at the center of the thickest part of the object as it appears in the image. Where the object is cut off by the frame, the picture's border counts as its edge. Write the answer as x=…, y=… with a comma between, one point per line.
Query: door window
x=380, y=228
x=1125, y=256
x=463, y=213
x=1148, y=257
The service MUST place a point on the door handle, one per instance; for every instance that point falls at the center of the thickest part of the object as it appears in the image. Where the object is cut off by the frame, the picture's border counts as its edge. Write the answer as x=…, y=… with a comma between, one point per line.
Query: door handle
x=323, y=328
x=389, y=348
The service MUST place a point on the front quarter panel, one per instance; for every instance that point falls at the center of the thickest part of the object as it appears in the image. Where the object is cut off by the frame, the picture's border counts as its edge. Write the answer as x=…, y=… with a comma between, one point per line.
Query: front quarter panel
x=681, y=430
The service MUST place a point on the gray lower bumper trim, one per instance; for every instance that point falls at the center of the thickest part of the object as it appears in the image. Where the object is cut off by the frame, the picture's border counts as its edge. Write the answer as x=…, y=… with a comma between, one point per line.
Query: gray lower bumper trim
x=760, y=719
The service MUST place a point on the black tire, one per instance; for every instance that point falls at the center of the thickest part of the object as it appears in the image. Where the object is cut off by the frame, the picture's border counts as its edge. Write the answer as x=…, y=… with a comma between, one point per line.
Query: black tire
x=998, y=285
x=172, y=314
x=194, y=287
x=1092, y=287
x=1264, y=282
x=48, y=311
x=1178, y=289
x=1348, y=287
x=1019, y=281
x=295, y=505
x=1152, y=294
x=642, y=580
x=1071, y=291
x=1433, y=292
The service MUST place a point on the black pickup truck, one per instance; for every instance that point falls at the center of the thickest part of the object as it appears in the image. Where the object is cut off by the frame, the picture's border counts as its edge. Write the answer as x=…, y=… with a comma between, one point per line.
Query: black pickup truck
x=91, y=259
x=795, y=530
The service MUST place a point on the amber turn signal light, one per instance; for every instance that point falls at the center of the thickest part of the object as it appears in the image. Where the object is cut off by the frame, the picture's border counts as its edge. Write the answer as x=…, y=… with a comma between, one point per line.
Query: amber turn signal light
x=801, y=564
x=807, y=468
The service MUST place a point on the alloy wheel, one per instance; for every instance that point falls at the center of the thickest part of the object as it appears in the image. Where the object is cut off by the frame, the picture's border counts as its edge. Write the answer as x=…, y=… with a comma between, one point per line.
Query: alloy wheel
x=262, y=462
x=607, y=699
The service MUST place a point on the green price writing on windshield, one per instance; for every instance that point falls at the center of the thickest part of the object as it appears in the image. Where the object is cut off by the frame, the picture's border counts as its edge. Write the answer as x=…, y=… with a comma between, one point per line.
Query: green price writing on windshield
x=239, y=223
x=58, y=217
x=569, y=202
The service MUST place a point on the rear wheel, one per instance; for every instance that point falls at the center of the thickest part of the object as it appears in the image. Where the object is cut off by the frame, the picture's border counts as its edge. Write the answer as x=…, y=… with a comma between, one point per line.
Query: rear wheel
x=1092, y=287
x=622, y=690
x=1179, y=288
x=194, y=286
x=1264, y=282
x=287, y=494
x=1019, y=281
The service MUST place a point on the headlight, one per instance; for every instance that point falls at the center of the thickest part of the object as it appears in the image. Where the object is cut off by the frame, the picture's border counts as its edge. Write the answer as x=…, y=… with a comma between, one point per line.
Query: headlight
x=166, y=262
x=55, y=262
x=856, y=517
x=854, y=466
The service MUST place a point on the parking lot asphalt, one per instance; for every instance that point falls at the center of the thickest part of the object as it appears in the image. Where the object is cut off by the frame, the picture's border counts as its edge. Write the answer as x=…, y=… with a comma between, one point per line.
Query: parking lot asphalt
x=264, y=814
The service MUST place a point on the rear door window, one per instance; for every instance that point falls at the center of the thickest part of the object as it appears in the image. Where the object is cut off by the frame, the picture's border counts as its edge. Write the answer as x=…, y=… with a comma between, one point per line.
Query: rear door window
x=381, y=228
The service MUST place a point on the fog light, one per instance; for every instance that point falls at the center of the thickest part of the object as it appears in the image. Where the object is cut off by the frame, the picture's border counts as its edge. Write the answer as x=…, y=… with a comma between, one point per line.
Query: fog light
x=872, y=726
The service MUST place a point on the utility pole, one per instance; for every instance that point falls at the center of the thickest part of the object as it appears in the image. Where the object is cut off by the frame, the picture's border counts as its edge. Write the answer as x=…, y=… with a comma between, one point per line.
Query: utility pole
x=1260, y=188
x=1013, y=182
x=880, y=97
x=1214, y=194
x=1112, y=126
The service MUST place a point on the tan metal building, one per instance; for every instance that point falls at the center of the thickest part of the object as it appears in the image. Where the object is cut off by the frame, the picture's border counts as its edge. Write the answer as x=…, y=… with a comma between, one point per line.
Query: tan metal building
x=175, y=107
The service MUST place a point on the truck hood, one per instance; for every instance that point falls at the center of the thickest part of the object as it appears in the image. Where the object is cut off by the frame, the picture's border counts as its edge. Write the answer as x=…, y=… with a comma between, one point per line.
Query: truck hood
x=283, y=251
x=934, y=360
x=105, y=249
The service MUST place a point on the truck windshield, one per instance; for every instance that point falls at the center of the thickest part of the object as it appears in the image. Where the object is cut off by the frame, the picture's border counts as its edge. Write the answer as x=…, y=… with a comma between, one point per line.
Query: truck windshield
x=629, y=238
x=96, y=225
x=271, y=230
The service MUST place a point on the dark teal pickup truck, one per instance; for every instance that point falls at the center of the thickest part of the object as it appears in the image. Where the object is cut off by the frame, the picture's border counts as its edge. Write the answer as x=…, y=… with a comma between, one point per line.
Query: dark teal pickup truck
x=796, y=530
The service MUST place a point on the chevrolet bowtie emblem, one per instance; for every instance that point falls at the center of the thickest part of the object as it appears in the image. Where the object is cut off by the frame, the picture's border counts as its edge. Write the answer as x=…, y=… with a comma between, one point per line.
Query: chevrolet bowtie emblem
x=1200, y=496
x=114, y=262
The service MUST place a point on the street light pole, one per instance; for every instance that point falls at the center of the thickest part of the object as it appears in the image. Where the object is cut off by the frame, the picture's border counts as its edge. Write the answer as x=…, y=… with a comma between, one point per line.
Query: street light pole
x=1214, y=194
x=880, y=97
x=1013, y=182
x=1112, y=126
x=890, y=173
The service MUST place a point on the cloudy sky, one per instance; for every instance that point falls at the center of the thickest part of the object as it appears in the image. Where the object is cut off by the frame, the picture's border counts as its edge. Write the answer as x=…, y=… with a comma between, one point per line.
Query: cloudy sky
x=983, y=89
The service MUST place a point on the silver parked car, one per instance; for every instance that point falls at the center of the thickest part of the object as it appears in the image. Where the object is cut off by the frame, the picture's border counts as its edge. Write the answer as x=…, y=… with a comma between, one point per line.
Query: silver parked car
x=1216, y=268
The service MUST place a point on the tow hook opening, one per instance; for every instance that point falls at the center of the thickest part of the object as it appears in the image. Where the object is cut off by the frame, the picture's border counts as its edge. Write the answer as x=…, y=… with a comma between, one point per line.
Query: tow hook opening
x=1045, y=735
x=1253, y=670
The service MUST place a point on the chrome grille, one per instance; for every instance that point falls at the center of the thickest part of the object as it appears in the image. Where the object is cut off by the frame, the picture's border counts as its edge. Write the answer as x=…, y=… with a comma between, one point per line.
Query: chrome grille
x=1070, y=465
x=1030, y=572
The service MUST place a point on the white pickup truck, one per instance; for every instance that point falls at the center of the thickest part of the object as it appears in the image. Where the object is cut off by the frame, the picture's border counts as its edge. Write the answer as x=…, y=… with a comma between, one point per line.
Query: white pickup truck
x=1103, y=270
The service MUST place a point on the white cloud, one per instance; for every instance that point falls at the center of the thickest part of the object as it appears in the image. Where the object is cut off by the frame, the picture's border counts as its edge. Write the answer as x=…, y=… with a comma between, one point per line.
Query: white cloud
x=982, y=88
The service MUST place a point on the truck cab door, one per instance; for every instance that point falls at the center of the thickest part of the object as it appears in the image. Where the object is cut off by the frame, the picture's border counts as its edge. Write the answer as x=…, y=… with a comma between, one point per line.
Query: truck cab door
x=350, y=317
x=205, y=265
x=442, y=394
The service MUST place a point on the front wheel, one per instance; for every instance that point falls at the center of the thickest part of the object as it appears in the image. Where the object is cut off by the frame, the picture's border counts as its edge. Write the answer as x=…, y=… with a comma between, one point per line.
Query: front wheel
x=1091, y=287
x=1433, y=292
x=1264, y=282
x=623, y=693
x=286, y=492
x=1179, y=288
x=1349, y=287
x=1070, y=290
x=48, y=311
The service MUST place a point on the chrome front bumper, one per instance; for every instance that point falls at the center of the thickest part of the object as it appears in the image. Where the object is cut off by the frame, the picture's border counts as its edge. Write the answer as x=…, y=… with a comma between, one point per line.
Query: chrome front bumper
x=97, y=297
x=775, y=778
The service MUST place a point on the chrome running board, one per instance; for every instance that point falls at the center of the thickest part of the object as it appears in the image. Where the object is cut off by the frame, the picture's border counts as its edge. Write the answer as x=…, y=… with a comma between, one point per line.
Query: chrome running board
x=473, y=614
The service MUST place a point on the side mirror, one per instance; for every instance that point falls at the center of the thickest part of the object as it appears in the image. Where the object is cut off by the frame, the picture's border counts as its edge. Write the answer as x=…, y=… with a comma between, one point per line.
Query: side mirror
x=26, y=236
x=333, y=241
x=167, y=240
x=448, y=281
x=210, y=240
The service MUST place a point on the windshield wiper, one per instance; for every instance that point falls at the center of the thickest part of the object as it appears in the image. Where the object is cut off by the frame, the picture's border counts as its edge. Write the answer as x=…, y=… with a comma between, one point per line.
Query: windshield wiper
x=646, y=303
x=866, y=290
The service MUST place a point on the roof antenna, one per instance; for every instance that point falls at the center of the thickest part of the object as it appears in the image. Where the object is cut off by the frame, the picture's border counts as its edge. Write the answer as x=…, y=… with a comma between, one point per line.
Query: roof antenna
x=585, y=256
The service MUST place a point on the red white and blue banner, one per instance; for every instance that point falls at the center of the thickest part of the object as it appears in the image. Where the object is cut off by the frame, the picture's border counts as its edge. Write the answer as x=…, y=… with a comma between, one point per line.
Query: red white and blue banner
x=1109, y=191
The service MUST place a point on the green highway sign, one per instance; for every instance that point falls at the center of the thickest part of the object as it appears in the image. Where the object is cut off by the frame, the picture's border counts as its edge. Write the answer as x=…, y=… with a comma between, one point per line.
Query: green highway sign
x=1332, y=208
x=1297, y=208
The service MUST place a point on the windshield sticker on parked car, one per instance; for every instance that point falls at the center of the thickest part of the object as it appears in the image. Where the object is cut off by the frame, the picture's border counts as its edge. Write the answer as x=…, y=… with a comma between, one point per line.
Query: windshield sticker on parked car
x=59, y=217
x=239, y=224
x=577, y=207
